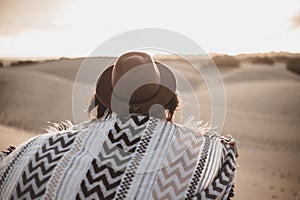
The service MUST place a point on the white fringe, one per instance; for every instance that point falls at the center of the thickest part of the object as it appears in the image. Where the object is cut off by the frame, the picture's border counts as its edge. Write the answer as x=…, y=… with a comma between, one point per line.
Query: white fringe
x=205, y=129
x=199, y=126
x=61, y=126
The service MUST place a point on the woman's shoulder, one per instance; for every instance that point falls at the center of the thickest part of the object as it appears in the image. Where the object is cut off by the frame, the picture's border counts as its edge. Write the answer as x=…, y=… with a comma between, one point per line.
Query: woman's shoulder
x=207, y=133
x=56, y=132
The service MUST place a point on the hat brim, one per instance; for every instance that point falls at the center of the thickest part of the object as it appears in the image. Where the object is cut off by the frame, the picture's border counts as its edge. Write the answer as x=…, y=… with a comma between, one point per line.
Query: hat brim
x=104, y=91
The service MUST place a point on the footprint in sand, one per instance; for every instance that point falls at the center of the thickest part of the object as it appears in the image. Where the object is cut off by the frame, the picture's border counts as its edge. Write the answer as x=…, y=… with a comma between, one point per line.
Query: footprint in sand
x=298, y=195
x=273, y=174
x=281, y=175
x=289, y=175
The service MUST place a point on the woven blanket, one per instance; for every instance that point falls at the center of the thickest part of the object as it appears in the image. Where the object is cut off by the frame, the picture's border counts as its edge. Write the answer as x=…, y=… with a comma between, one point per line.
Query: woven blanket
x=136, y=157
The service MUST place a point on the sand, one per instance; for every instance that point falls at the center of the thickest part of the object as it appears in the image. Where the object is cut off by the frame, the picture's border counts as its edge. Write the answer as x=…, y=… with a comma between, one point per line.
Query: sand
x=263, y=114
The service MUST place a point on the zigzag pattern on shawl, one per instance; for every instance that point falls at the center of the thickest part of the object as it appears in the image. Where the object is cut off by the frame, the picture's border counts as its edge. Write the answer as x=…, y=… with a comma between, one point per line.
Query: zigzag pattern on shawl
x=13, y=162
x=136, y=160
x=105, y=174
x=223, y=181
x=173, y=180
x=199, y=169
x=32, y=184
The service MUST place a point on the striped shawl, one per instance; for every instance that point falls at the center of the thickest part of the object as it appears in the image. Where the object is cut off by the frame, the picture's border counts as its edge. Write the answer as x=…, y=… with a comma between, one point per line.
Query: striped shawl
x=133, y=157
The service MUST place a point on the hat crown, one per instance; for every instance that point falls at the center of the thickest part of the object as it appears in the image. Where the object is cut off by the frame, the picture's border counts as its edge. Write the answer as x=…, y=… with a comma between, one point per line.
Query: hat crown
x=135, y=70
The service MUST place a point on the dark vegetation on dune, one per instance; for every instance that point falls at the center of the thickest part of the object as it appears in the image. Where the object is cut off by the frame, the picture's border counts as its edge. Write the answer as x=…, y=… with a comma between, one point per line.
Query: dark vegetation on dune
x=226, y=61
x=271, y=59
x=294, y=65
x=281, y=58
x=1, y=64
x=262, y=60
x=23, y=62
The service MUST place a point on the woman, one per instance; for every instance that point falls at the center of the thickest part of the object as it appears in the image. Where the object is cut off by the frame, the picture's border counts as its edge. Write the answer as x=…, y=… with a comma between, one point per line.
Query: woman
x=131, y=150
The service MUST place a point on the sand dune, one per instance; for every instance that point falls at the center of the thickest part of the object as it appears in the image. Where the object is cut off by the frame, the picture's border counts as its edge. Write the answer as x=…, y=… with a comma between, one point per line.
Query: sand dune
x=263, y=113
x=13, y=137
x=30, y=98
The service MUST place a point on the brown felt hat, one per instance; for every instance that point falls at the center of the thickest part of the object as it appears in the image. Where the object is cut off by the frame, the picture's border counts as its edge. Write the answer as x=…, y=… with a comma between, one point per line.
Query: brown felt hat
x=135, y=80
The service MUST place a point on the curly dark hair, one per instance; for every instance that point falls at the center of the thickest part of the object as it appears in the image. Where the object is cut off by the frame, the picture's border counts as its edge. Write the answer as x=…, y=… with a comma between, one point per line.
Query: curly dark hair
x=101, y=110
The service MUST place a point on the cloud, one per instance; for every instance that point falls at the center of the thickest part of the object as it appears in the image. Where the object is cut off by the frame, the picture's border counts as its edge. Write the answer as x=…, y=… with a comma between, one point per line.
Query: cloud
x=296, y=20
x=17, y=16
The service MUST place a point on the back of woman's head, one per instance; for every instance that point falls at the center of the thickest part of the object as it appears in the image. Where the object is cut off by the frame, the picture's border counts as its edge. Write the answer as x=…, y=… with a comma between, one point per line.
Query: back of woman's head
x=98, y=110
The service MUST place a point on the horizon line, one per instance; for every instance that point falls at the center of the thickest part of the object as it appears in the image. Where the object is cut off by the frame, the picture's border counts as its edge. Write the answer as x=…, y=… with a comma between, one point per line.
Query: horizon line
x=78, y=57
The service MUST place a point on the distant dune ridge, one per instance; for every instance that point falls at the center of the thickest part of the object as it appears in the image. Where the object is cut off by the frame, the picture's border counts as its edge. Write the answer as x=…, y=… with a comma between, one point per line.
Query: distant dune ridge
x=294, y=65
x=263, y=114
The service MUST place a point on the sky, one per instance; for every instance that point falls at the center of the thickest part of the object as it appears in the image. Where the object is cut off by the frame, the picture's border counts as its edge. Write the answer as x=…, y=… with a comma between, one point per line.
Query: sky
x=74, y=28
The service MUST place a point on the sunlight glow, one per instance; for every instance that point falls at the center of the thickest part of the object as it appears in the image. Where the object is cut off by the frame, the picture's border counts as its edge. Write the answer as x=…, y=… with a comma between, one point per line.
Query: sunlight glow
x=231, y=27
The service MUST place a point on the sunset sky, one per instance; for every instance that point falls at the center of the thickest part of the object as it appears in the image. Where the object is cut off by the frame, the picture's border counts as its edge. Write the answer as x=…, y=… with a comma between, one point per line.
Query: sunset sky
x=56, y=28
